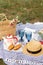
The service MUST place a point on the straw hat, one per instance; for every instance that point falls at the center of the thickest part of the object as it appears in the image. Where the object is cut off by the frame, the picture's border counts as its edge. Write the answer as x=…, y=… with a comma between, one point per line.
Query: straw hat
x=33, y=48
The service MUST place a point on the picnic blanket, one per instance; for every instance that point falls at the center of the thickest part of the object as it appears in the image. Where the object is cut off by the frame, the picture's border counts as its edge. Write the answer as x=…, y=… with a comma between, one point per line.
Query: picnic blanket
x=18, y=58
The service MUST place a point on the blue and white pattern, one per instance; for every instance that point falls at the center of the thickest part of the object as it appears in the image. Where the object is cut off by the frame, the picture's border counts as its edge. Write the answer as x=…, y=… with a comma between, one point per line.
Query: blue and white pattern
x=18, y=58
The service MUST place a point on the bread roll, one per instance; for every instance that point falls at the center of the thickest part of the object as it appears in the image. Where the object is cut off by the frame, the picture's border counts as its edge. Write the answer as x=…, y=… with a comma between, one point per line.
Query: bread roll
x=17, y=47
x=11, y=47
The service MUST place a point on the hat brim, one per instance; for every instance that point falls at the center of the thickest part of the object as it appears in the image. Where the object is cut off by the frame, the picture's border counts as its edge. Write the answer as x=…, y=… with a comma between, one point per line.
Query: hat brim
x=27, y=53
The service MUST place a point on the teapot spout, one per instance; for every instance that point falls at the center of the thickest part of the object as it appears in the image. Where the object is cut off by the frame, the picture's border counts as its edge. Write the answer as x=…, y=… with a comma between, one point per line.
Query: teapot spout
x=3, y=38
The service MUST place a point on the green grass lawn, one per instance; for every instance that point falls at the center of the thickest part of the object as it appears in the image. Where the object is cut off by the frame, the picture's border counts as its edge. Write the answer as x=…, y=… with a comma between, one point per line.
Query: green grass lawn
x=27, y=10
x=1, y=62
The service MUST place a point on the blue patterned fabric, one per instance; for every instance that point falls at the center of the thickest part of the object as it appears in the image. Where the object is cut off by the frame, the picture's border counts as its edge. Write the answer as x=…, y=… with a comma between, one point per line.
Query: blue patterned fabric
x=18, y=58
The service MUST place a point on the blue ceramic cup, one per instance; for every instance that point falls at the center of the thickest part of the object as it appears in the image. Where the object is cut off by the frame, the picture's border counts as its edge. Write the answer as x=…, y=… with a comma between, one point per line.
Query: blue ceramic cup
x=28, y=35
x=21, y=34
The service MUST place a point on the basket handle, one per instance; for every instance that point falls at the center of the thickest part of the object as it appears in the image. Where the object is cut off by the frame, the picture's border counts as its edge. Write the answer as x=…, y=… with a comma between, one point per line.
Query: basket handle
x=3, y=17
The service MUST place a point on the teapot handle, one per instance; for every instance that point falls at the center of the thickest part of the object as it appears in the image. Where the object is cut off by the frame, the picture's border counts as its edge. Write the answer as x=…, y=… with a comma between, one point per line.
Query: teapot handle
x=15, y=39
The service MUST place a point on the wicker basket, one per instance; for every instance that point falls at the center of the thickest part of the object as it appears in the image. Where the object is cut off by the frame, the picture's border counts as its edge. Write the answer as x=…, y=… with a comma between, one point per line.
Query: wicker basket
x=5, y=27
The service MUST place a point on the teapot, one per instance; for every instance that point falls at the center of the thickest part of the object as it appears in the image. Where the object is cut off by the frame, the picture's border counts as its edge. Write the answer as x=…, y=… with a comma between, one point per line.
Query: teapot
x=9, y=40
